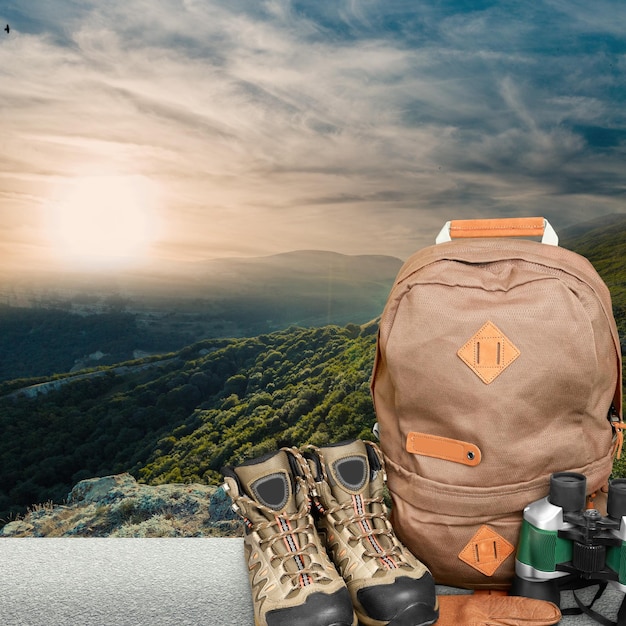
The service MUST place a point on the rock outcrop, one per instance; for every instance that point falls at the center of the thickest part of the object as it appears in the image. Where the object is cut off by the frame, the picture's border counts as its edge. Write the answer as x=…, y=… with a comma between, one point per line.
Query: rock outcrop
x=119, y=506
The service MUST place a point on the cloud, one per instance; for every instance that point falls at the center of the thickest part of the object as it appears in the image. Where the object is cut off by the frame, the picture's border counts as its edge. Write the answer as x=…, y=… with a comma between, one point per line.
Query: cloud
x=355, y=126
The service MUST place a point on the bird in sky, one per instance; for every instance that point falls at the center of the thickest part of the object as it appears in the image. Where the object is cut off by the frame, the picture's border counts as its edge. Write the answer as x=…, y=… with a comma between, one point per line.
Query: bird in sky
x=7, y=28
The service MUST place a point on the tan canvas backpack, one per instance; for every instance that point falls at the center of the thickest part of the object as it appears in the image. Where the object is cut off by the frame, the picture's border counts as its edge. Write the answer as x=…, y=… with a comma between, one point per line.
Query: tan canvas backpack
x=498, y=363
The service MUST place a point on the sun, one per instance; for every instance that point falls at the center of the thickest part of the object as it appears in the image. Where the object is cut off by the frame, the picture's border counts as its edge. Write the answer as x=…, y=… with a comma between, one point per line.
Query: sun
x=104, y=221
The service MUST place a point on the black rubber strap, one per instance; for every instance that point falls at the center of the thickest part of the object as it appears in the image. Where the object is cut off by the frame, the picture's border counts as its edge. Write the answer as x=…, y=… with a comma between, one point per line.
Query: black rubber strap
x=587, y=609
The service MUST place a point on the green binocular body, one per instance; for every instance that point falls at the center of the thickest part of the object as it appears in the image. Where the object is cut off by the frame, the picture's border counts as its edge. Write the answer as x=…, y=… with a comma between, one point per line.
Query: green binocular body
x=560, y=537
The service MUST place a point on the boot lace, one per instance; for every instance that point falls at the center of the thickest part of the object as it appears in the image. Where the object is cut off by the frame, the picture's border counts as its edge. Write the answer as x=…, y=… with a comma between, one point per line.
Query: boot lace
x=358, y=517
x=287, y=529
x=364, y=529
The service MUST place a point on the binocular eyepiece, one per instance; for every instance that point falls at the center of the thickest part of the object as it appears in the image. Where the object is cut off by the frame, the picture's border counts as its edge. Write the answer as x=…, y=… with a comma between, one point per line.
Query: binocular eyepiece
x=568, y=490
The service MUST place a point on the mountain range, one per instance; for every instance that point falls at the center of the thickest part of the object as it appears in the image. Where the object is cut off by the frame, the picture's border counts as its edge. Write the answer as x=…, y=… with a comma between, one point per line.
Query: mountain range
x=79, y=321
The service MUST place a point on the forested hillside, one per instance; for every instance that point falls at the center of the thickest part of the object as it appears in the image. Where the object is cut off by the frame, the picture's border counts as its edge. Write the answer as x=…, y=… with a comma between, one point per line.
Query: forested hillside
x=215, y=402
x=603, y=242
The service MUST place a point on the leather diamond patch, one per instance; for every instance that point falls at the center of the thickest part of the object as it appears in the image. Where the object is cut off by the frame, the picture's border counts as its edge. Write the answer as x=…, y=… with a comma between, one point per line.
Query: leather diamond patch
x=486, y=551
x=488, y=353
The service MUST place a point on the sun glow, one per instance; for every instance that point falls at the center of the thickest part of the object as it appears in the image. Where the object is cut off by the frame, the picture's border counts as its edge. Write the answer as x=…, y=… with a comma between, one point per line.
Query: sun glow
x=104, y=221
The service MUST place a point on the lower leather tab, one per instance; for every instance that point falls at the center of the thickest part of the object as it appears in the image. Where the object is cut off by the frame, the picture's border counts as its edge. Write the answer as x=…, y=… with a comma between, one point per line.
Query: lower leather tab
x=443, y=448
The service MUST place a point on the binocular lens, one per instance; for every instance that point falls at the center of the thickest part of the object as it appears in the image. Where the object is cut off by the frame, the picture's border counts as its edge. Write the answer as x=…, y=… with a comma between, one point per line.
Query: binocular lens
x=568, y=490
x=616, y=504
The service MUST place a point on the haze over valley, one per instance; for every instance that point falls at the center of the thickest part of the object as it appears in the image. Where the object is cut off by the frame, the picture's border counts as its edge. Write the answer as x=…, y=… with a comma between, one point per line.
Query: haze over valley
x=68, y=322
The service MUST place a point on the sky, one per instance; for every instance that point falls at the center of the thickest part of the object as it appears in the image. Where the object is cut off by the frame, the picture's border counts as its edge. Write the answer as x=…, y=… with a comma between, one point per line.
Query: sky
x=137, y=131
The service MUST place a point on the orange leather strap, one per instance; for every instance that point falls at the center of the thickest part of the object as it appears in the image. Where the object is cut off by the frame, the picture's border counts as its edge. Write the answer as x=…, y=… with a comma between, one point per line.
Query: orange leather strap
x=443, y=448
x=506, y=227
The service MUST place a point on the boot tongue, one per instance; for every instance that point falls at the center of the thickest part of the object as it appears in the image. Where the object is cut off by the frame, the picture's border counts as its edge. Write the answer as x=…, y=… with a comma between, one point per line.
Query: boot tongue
x=268, y=481
x=348, y=470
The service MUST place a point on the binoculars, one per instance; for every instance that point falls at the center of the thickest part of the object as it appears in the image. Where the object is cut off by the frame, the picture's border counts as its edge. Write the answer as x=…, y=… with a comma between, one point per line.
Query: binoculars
x=560, y=537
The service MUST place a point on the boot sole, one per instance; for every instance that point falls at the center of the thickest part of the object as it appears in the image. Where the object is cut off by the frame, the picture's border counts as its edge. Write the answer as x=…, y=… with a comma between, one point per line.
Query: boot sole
x=401, y=620
x=370, y=622
x=355, y=623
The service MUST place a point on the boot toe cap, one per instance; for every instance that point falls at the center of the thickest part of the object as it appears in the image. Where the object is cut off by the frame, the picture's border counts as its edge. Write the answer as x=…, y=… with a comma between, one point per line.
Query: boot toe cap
x=405, y=602
x=319, y=609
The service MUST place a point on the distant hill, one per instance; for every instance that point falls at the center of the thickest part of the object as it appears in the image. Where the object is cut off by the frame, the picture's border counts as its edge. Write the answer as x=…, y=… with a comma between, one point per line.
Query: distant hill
x=307, y=287
x=80, y=322
x=570, y=234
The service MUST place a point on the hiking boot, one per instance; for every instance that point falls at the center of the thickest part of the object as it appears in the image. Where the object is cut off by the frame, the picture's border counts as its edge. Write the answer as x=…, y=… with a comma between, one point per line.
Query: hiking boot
x=291, y=577
x=388, y=585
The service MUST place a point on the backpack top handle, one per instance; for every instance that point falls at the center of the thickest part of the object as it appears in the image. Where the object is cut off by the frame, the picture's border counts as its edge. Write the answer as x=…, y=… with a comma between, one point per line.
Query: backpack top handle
x=506, y=227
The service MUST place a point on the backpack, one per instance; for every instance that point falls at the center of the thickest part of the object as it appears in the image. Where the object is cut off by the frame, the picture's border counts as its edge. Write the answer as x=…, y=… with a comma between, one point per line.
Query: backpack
x=497, y=363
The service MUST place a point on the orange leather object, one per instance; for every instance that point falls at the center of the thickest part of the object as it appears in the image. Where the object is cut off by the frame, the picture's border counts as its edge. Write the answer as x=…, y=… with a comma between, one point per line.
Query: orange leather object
x=443, y=448
x=495, y=609
x=508, y=227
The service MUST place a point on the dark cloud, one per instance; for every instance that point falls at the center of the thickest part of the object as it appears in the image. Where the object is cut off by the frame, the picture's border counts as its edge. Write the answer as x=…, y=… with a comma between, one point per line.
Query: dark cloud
x=601, y=137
